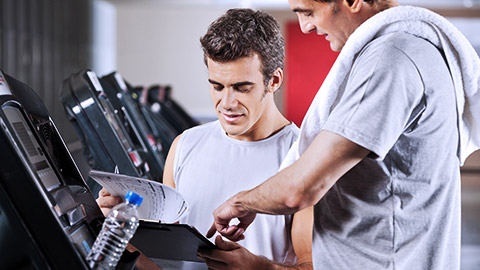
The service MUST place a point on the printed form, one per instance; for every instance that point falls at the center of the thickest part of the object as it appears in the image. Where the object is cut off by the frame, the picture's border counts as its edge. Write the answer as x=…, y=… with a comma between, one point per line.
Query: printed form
x=160, y=202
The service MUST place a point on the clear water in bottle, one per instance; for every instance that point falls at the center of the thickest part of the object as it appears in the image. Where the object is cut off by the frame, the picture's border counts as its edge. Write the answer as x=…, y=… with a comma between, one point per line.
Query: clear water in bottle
x=118, y=228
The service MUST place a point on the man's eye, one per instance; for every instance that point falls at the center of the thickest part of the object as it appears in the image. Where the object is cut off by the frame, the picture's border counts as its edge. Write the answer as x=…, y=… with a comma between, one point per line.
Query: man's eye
x=242, y=90
x=218, y=87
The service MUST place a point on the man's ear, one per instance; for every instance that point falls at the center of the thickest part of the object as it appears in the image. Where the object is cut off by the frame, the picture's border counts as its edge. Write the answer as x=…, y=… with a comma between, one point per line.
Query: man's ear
x=353, y=5
x=275, y=81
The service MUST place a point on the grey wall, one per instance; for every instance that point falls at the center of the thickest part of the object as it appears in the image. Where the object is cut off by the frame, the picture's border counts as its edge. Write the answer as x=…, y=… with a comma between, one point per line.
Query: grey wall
x=42, y=42
x=159, y=44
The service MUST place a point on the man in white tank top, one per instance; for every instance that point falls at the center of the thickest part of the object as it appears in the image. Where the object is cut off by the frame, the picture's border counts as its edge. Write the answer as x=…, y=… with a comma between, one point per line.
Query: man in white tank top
x=244, y=52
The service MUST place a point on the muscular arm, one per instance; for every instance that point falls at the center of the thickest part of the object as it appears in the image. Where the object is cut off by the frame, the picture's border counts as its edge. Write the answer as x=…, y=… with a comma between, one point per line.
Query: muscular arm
x=307, y=180
x=296, y=187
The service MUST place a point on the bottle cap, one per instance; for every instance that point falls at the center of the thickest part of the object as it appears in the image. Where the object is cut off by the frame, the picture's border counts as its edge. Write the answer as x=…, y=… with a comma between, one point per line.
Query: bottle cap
x=134, y=198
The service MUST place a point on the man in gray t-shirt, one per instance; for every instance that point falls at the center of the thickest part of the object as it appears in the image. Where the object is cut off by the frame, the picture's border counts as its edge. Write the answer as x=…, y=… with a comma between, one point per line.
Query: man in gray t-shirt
x=403, y=199
x=380, y=158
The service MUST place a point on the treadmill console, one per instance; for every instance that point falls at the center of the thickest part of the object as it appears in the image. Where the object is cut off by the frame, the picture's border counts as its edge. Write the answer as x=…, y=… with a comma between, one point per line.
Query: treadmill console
x=48, y=217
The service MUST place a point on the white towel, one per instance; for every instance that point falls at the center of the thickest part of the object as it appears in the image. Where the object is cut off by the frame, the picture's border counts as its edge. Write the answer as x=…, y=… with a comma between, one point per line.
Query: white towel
x=462, y=60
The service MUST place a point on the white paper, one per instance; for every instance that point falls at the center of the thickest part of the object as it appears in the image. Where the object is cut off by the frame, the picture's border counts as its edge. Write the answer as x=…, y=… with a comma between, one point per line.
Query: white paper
x=160, y=202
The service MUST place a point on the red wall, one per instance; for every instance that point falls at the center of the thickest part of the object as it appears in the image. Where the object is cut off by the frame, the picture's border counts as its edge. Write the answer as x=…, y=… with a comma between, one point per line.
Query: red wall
x=308, y=61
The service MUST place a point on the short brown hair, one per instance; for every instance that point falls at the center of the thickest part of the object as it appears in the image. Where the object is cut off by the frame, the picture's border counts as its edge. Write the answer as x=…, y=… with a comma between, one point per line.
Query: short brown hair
x=241, y=33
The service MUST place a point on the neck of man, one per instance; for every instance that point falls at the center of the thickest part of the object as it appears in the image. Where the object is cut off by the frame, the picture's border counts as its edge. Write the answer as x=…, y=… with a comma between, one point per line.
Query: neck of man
x=368, y=10
x=276, y=122
x=270, y=123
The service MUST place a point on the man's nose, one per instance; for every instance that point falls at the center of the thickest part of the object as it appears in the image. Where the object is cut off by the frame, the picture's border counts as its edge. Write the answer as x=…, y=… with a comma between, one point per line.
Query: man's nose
x=229, y=99
x=306, y=26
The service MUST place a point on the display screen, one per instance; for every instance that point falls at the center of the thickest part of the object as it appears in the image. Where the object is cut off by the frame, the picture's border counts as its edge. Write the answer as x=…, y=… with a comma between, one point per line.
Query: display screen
x=31, y=147
x=41, y=165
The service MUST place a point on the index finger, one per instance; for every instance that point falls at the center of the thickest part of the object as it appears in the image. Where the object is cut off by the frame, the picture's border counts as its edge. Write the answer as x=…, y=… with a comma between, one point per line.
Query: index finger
x=233, y=233
x=211, y=231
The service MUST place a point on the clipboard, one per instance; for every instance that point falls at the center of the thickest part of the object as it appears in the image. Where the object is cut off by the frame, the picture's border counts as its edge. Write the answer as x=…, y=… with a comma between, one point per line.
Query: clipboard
x=169, y=241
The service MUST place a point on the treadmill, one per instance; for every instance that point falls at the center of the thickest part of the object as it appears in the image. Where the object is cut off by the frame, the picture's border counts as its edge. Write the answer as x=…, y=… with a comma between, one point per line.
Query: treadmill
x=160, y=127
x=127, y=110
x=174, y=106
x=161, y=103
x=48, y=216
x=107, y=144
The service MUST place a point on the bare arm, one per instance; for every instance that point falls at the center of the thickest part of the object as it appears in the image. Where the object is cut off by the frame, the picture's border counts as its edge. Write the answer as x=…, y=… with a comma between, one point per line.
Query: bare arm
x=307, y=180
x=168, y=170
x=302, y=229
x=296, y=187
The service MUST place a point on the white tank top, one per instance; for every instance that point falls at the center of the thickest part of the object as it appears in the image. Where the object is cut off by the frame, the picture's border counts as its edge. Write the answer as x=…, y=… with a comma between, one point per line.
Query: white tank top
x=210, y=167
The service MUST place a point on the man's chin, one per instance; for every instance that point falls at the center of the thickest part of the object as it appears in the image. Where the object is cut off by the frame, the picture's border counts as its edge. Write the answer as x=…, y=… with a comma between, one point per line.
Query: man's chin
x=226, y=126
x=231, y=129
x=335, y=47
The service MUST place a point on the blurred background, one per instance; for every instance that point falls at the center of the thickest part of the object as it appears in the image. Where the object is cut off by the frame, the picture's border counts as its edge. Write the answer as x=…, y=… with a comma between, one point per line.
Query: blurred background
x=42, y=42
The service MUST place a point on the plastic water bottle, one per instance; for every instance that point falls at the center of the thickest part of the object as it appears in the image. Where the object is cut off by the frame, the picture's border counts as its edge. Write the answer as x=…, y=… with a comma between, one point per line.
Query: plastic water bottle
x=119, y=226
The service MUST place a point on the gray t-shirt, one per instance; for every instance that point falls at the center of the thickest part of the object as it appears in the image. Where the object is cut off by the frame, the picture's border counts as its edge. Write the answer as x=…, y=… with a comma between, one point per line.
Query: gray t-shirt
x=400, y=207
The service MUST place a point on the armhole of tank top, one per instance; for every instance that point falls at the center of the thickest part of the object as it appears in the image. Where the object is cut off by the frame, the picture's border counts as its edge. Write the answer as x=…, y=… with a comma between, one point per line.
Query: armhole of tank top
x=177, y=157
x=290, y=256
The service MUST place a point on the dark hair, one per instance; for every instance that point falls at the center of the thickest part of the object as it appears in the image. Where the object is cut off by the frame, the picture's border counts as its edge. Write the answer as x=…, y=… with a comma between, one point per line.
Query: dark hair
x=241, y=33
